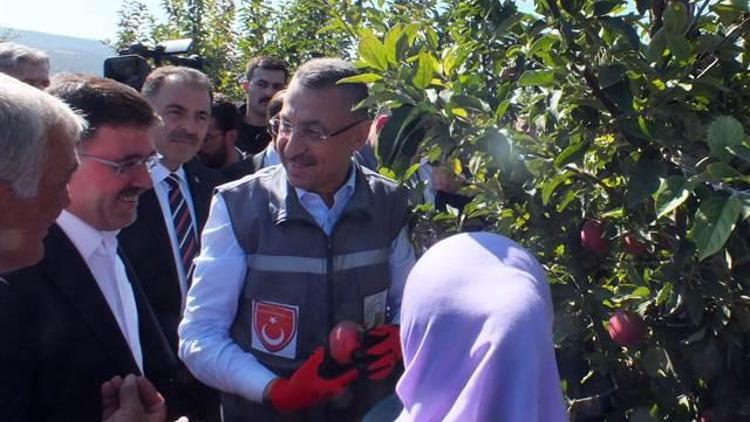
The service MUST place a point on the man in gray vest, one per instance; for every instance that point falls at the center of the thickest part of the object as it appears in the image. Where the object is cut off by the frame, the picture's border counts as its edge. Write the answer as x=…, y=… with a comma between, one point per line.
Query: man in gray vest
x=291, y=251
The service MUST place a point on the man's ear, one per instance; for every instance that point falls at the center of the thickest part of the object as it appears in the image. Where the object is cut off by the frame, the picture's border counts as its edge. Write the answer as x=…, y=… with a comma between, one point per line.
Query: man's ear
x=362, y=135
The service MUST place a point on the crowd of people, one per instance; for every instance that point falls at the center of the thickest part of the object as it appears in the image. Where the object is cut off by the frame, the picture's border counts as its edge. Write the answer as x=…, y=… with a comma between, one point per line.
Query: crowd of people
x=167, y=254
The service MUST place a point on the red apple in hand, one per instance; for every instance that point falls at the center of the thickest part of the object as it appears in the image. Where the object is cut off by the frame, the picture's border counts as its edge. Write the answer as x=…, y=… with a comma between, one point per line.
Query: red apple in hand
x=633, y=246
x=343, y=339
x=626, y=328
x=592, y=237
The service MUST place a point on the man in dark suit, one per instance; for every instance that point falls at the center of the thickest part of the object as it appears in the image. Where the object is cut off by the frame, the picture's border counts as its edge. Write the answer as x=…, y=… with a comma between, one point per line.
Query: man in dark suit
x=165, y=238
x=85, y=317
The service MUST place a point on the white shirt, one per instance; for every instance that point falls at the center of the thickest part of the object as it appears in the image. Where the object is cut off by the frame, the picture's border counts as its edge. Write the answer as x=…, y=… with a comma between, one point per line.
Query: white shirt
x=159, y=175
x=205, y=344
x=99, y=250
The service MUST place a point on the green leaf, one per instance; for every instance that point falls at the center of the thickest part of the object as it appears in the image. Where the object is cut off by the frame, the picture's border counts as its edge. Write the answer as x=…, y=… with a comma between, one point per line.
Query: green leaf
x=745, y=201
x=679, y=46
x=423, y=75
x=450, y=60
x=372, y=51
x=675, y=17
x=713, y=223
x=502, y=108
x=740, y=151
x=722, y=170
x=365, y=78
x=390, y=44
x=571, y=153
x=664, y=294
x=671, y=194
x=625, y=29
x=537, y=78
x=657, y=46
x=641, y=292
x=603, y=7
x=723, y=132
x=644, y=181
x=551, y=185
x=543, y=44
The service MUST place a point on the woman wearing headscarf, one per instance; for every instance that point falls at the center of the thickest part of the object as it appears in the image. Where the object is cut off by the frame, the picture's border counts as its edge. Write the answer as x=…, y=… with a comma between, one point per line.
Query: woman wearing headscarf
x=476, y=332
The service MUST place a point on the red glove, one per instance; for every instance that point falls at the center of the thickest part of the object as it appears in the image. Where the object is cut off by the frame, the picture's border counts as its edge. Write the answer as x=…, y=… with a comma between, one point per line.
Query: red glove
x=386, y=352
x=306, y=387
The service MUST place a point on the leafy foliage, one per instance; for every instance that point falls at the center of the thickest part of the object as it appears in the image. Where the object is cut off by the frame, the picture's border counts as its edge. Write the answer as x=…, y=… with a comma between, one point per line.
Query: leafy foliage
x=634, y=114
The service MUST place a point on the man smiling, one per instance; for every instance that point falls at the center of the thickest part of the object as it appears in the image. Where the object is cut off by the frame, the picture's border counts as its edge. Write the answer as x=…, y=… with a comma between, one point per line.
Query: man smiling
x=86, y=317
x=291, y=251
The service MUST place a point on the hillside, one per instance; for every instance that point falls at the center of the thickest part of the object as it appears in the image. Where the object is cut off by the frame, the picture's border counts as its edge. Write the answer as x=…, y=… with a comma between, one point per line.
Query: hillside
x=67, y=54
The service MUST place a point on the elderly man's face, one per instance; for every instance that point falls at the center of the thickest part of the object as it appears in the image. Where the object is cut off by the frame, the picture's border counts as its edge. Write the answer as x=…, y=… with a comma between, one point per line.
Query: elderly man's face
x=35, y=74
x=24, y=221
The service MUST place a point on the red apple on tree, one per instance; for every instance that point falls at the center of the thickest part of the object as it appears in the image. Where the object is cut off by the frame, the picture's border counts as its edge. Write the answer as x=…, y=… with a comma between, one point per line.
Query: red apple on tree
x=626, y=328
x=592, y=237
x=344, y=338
x=633, y=246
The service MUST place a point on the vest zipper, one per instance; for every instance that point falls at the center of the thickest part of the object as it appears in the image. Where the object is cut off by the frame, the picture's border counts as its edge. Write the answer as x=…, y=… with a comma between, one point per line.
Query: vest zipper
x=329, y=282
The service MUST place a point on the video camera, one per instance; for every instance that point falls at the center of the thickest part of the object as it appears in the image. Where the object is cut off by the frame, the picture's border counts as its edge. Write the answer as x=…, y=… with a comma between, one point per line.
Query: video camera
x=132, y=65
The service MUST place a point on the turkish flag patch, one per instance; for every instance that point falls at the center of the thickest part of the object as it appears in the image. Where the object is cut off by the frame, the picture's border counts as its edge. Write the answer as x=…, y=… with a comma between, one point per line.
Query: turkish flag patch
x=275, y=327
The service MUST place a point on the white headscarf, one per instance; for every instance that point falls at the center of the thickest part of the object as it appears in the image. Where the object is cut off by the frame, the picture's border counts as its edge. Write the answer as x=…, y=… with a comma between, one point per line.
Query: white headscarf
x=476, y=329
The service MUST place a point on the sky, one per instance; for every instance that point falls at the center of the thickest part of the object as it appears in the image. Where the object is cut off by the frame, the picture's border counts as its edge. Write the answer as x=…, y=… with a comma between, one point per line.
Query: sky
x=93, y=19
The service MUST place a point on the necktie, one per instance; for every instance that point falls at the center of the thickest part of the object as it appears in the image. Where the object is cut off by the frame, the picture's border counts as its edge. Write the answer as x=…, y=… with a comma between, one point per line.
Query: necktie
x=183, y=225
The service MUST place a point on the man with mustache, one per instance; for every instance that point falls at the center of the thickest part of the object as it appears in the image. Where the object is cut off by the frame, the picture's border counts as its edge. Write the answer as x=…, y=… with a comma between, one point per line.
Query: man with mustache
x=290, y=252
x=84, y=318
x=263, y=78
x=165, y=238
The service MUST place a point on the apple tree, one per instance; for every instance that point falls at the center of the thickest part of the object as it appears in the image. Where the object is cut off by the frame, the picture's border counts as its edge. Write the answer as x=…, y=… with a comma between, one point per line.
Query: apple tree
x=609, y=137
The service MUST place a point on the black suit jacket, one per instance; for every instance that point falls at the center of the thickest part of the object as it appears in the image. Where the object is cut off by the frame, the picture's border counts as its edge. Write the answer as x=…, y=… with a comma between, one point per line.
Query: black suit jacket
x=61, y=340
x=147, y=246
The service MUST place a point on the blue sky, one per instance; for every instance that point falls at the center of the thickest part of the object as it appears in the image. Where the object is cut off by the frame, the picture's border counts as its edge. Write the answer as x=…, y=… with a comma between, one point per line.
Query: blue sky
x=95, y=19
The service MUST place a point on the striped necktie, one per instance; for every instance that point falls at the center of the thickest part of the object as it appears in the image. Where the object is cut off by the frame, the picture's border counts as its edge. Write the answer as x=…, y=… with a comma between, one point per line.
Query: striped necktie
x=183, y=225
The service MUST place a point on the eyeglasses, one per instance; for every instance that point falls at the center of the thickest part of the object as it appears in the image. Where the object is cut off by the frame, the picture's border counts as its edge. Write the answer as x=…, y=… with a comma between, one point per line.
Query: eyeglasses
x=282, y=128
x=129, y=165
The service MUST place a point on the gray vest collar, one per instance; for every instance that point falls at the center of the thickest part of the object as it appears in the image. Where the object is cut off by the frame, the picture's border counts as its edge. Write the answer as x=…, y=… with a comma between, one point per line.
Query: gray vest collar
x=284, y=205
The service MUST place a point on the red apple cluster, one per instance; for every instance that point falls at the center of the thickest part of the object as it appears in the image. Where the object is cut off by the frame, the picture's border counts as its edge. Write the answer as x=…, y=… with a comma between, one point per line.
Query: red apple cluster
x=593, y=239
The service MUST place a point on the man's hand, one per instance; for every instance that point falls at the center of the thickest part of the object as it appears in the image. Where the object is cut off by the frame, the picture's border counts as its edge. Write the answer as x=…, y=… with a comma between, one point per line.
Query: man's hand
x=384, y=354
x=307, y=387
x=133, y=399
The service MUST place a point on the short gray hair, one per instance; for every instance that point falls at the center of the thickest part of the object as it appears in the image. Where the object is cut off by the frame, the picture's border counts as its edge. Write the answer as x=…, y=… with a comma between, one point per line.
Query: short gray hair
x=27, y=116
x=155, y=80
x=324, y=73
x=12, y=53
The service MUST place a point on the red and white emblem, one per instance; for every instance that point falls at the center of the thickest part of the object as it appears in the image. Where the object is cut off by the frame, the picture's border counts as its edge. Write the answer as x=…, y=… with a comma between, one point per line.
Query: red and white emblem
x=275, y=328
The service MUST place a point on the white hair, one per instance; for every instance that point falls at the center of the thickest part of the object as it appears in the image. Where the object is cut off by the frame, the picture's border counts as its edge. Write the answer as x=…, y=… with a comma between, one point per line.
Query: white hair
x=27, y=117
x=11, y=53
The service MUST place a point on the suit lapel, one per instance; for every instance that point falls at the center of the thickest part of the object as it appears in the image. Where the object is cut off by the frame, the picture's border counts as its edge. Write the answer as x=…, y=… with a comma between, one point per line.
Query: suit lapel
x=69, y=272
x=158, y=359
x=201, y=184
